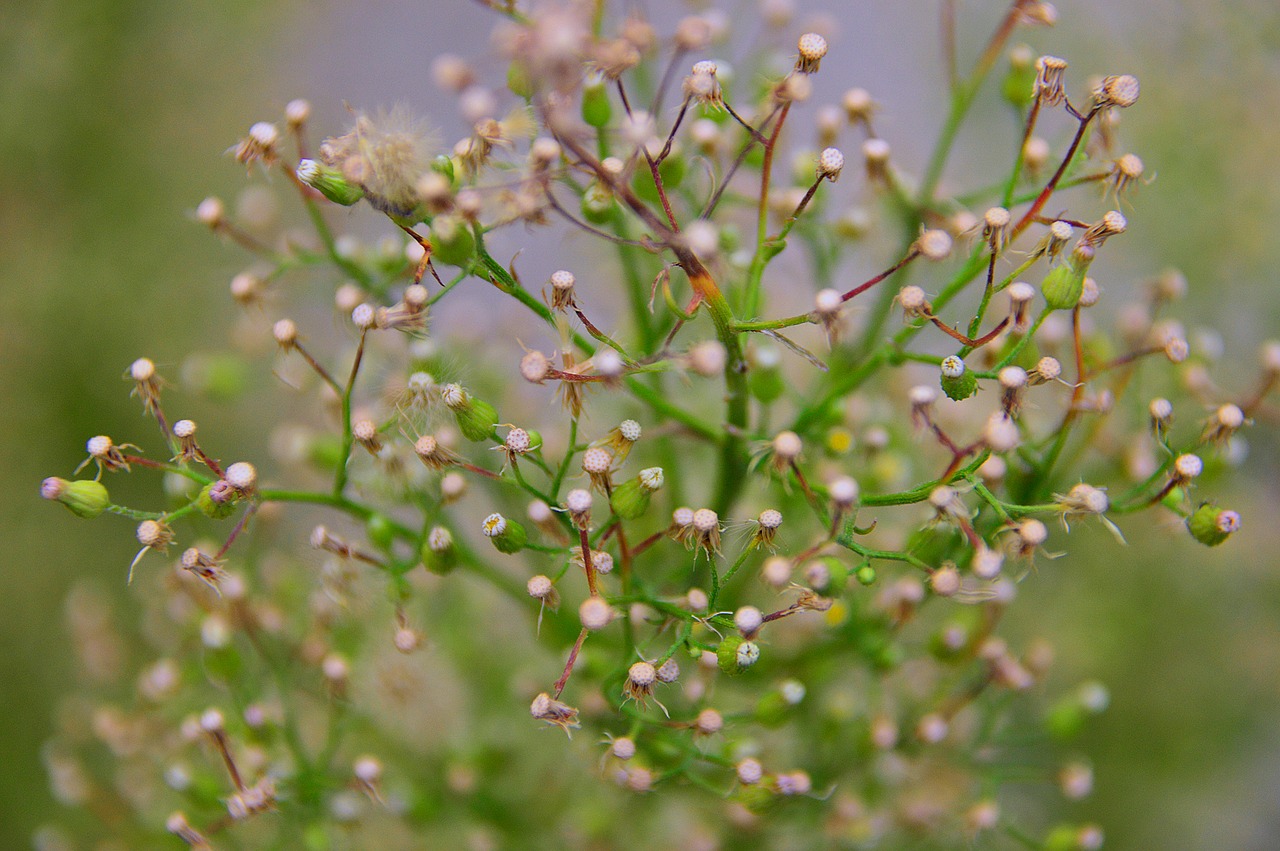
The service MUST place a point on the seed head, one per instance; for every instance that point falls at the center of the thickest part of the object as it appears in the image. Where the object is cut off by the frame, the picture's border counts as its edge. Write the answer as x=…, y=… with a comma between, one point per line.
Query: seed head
x=1049, y=88
x=546, y=708
x=827, y=303
x=242, y=476
x=934, y=244
x=914, y=302
x=748, y=619
x=875, y=153
x=623, y=748
x=706, y=528
x=1001, y=433
x=749, y=771
x=793, y=783
x=708, y=358
x=844, y=491
x=1187, y=467
x=830, y=164
x=1121, y=91
x=811, y=47
x=858, y=105
x=595, y=614
x=709, y=722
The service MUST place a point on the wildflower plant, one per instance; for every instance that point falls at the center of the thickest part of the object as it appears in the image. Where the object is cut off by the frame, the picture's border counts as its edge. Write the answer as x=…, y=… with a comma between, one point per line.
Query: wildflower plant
x=762, y=475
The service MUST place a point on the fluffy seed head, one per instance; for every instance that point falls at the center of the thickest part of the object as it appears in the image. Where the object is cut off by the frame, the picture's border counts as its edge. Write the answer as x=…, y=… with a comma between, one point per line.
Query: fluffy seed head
x=922, y=395
x=539, y=587
x=669, y=672
x=517, y=440
x=748, y=619
x=1032, y=532
x=749, y=771
x=709, y=722
x=1021, y=292
x=912, y=299
x=1121, y=90
x=1188, y=466
x=830, y=164
x=534, y=367
x=705, y=520
x=596, y=460
x=787, y=445
x=708, y=358
x=642, y=674
x=843, y=491
x=1229, y=416
x=827, y=302
x=578, y=501
x=1012, y=378
x=595, y=613
x=934, y=244
x=1001, y=432
x=211, y=212
x=242, y=476
x=770, y=519
x=285, y=332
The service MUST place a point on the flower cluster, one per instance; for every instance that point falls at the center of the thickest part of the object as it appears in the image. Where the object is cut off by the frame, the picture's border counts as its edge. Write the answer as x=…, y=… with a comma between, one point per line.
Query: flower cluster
x=751, y=541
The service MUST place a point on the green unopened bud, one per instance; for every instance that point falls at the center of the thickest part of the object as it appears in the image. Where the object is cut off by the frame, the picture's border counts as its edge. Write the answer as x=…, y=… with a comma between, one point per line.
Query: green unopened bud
x=866, y=575
x=598, y=204
x=452, y=241
x=476, y=419
x=445, y=165
x=631, y=498
x=1019, y=84
x=735, y=654
x=1211, y=525
x=508, y=536
x=765, y=381
x=596, y=109
x=218, y=500
x=380, y=530
x=1064, y=284
x=439, y=555
x=519, y=81
x=329, y=182
x=957, y=380
x=84, y=497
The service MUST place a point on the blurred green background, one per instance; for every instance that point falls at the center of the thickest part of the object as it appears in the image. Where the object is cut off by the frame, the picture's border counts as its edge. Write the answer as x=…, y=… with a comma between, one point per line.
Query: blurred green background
x=116, y=114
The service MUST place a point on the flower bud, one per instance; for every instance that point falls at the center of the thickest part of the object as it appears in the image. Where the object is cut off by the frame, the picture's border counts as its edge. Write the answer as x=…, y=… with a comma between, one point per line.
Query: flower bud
x=476, y=419
x=1211, y=525
x=452, y=241
x=1064, y=285
x=329, y=182
x=631, y=498
x=439, y=555
x=84, y=497
x=957, y=381
x=596, y=109
x=508, y=536
x=217, y=500
x=735, y=655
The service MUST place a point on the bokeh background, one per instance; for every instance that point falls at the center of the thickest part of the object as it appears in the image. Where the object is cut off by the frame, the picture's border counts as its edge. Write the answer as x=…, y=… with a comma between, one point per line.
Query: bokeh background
x=114, y=116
